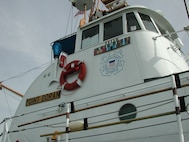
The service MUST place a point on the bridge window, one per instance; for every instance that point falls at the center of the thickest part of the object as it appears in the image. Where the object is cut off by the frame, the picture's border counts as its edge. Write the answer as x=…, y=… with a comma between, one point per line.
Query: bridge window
x=113, y=28
x=148, y=23
x=68, y=44
x=132, y=23
x=90, y=36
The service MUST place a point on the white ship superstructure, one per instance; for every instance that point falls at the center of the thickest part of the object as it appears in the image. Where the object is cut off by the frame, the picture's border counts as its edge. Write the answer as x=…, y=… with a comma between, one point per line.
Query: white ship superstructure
x=121, y=77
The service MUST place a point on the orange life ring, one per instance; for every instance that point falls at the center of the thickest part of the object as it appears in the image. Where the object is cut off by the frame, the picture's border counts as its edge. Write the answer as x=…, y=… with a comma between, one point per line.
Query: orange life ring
x=69, y=69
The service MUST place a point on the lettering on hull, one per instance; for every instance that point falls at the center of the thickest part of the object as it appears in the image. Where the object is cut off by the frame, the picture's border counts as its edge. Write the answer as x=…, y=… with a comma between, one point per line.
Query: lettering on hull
x=43, y=98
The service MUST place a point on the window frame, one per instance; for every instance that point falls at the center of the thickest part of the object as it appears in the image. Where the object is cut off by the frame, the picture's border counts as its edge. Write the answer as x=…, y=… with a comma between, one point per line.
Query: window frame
x=84, y=46
x=137, y=19
x=151, y=21
x=116, y=35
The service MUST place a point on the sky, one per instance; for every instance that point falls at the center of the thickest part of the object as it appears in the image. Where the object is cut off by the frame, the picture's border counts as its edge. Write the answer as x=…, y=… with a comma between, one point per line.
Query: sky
x=27, y=27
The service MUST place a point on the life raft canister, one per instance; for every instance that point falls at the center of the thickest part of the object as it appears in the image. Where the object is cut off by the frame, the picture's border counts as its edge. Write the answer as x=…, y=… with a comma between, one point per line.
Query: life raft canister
x=69, y=69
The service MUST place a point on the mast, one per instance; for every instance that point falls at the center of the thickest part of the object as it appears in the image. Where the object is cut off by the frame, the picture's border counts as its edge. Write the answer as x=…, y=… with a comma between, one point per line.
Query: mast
x=83, y=5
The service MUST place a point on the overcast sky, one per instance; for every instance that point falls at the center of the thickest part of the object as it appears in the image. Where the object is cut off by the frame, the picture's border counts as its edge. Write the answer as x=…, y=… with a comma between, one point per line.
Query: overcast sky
x=27, y=27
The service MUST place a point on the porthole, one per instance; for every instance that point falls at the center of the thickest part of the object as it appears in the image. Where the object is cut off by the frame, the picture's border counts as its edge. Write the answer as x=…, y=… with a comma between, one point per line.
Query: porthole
x=127, y=111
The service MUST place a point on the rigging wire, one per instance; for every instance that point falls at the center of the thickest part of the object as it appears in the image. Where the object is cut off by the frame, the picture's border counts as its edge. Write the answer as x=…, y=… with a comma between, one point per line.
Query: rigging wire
x=118, y=131
x=166, y=102
x=7, y=103
x=13, y=96
x=120, y=94
x=14, y=131
x=21, y=133
x=41, y=126
x=18, y=76
x=187, y=12
x=36, y=127
x=82, y=109
x=51, y=125
x=76, y=22
x=26, y=72
x=43, y=109
x=16, y=116
x=131, y=129
x=69, y=19
x=135, y=111
x=46, y=108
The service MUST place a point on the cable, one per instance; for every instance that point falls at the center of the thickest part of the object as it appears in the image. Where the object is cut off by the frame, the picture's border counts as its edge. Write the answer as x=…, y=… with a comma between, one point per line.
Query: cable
x=26, y=72
x=7, y=103
x=186, y=8
x=136, y=111
x=166, y=102
x=120, y=94
x=71, y=18
x=13, y=96
x=21, y=134
x=118, y=131
x=2, y=121
x=40, y=126
x=68, y=20
x=20, y=115
x=76, y=22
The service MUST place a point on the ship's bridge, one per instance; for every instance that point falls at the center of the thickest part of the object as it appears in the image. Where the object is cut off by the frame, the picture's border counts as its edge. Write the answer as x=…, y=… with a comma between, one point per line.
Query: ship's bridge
x=118, y=23
x=131, y=45
x=115, y=24
x=152, y=37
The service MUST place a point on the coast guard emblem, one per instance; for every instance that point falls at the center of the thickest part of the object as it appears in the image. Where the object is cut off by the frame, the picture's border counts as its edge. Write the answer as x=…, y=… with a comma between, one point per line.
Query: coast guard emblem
x=112, y=64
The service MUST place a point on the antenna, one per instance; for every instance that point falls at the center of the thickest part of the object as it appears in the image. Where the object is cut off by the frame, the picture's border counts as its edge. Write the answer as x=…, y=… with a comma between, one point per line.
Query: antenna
x=186, y=8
